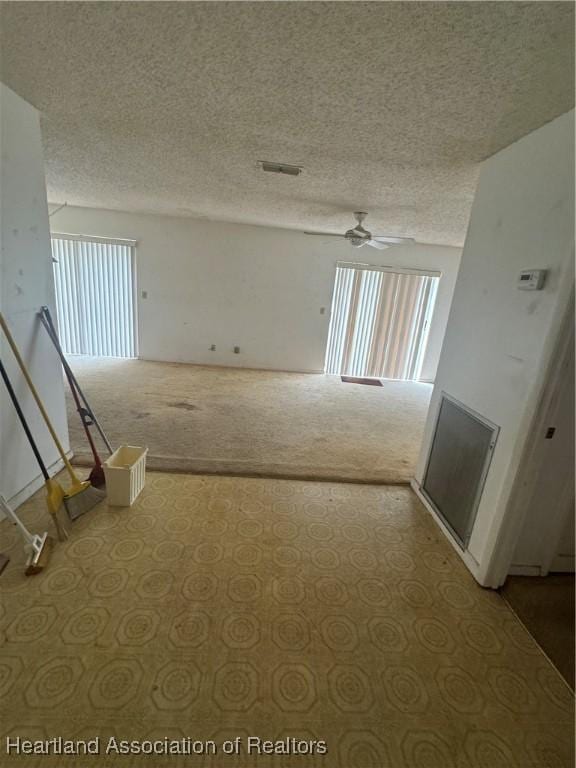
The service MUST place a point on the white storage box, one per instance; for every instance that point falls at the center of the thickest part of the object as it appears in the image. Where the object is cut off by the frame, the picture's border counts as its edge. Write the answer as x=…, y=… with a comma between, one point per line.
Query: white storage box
x=125, y=473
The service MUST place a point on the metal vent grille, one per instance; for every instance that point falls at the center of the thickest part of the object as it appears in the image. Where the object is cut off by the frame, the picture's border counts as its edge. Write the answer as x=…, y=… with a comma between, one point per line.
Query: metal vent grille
x=458, y=463
x=288, y=170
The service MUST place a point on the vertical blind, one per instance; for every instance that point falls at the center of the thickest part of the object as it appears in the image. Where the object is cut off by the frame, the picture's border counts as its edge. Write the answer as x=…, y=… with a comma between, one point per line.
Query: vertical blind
x=380, y=322
x=94, y=282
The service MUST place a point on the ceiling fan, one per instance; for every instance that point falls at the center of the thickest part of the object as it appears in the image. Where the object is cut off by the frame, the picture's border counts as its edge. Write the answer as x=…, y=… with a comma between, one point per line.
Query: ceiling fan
x=358, y=236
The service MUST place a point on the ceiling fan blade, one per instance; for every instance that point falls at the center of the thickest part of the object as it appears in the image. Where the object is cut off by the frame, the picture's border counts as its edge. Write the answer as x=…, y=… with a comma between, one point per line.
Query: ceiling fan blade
x=376, y=244
x=323, y=234
x=393, y=240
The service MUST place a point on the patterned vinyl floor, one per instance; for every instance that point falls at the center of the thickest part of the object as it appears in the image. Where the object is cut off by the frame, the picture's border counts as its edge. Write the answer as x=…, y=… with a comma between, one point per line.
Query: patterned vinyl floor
x=220, y=607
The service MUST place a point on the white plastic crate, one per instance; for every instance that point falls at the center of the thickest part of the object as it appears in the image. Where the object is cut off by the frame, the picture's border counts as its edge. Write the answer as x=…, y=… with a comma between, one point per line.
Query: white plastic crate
x=125, y=473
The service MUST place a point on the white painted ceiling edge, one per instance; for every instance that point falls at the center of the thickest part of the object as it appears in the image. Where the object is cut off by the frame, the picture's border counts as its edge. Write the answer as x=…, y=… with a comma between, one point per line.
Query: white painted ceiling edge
x=363, y=254
x=390, y=107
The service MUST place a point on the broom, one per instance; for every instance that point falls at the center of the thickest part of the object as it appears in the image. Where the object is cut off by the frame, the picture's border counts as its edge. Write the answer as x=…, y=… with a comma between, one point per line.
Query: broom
x=37, y=547
x=96, y=476
x=80, y=497
x=54, y=491
x=86, y=412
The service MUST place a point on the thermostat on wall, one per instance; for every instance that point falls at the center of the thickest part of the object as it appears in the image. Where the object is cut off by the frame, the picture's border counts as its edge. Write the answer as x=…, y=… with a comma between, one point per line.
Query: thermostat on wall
x=531, y=279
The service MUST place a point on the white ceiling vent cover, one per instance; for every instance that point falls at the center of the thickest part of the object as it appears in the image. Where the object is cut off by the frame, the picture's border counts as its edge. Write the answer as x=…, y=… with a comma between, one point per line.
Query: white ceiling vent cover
x=285, y=168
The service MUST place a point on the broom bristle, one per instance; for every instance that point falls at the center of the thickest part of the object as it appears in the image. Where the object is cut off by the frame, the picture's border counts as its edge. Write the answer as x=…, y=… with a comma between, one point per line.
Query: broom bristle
x=55, y=499
x=96, y=477
x=83, y=501
x=40, y=558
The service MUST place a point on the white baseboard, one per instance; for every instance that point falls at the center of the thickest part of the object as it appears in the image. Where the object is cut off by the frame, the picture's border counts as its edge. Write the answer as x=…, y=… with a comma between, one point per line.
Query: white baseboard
x=232, y=367
x=525, y=570
x=469, y=561
x=34, y=485
x=562, y=564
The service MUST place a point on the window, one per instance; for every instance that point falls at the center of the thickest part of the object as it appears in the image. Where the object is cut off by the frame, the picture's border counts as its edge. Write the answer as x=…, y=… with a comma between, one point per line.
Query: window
x=95, y=299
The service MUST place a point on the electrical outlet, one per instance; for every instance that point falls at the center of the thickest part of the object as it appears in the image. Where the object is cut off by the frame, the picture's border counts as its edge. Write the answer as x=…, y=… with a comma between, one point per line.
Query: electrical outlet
x=236, y=350
x=212, y=347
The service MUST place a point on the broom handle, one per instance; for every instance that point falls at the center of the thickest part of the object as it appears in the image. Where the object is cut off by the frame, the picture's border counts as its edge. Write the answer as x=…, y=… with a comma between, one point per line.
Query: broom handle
x=39, y=402
x=46, y=319
x=71, y=383
x=9, y=512
x=24, y=423
x=84, y=424
x=97, y=461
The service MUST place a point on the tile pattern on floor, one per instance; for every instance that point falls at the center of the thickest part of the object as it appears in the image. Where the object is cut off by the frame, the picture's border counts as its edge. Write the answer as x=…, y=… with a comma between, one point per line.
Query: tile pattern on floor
x=220, y=607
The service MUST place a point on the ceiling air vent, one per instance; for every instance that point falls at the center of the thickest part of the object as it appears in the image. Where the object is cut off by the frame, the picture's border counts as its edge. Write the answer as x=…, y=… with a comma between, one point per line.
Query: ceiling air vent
x=289, y=170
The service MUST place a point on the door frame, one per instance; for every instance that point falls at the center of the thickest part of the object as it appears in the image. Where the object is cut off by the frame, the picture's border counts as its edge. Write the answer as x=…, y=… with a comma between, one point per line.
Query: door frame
x=531, y=461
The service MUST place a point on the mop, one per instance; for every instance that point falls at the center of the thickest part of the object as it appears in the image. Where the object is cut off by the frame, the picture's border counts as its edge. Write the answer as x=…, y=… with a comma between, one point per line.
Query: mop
x=37, y=547
x=54, y=491
x=80, y=497
x=96, y=476
x=87, y=412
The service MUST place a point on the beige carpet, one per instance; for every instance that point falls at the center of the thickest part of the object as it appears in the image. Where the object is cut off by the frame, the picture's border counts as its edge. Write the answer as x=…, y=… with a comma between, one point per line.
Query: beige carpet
x=258, y=423
x=220, y=607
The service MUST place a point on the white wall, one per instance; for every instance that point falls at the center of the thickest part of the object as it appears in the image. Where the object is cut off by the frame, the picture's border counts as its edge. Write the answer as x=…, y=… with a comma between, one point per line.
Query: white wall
x=259, y=288
x=26, y=283
x=564, y=555
x=499, y=339
x=547, y=500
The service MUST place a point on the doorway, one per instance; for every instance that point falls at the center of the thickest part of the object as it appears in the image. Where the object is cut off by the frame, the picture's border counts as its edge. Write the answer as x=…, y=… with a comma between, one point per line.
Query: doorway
x=380, y=321
x=540, y=585
x=95, y=295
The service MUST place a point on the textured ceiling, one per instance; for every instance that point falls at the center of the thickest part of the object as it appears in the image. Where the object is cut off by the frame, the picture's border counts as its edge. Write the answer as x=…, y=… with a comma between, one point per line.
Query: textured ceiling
x=166, y=107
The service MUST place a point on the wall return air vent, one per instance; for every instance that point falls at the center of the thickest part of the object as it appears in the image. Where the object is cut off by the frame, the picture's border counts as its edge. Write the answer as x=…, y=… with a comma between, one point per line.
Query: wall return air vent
x=285, y=168
x=458, y=463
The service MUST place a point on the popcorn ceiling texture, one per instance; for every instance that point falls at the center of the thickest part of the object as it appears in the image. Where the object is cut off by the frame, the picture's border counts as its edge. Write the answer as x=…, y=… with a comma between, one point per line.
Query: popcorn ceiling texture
x=390, y=107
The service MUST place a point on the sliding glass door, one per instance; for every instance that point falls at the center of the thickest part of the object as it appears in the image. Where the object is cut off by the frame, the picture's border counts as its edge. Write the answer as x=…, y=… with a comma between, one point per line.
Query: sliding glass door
x=380, y=321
